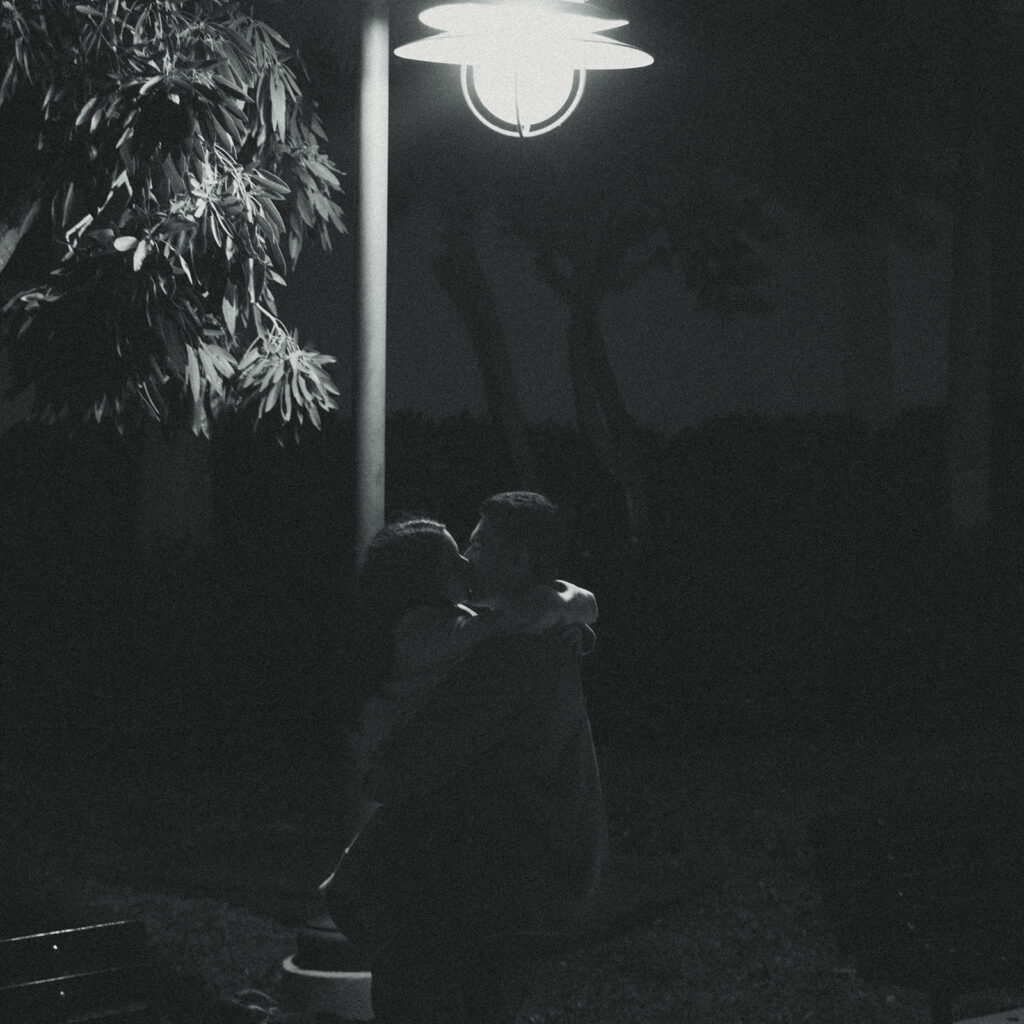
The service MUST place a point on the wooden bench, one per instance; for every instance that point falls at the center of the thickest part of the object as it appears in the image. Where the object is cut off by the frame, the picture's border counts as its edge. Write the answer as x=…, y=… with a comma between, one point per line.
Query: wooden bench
x=97, y=973
x=928, y=896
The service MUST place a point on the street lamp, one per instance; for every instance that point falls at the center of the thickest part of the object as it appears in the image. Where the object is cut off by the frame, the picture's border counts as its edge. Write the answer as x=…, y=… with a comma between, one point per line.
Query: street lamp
x=523, y=68
x=524, y=62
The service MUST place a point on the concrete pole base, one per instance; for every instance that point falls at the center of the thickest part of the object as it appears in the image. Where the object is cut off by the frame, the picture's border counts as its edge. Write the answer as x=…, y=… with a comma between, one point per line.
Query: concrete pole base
x=344, y=994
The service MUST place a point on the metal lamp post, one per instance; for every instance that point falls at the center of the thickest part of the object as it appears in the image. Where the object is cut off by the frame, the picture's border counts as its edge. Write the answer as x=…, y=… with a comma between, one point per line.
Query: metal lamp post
x=523, y=68
x=372, y=245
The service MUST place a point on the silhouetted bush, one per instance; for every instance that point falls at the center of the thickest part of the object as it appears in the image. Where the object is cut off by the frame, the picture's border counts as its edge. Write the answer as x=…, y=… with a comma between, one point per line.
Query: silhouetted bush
x=797, y=578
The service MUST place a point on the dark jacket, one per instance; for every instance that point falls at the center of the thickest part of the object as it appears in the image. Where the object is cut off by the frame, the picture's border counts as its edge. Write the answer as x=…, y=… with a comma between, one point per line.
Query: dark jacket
x=493, y=815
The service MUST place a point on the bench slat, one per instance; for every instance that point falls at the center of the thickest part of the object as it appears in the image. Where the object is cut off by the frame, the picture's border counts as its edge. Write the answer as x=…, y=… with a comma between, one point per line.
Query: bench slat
x=74, y=995
x=70, y=951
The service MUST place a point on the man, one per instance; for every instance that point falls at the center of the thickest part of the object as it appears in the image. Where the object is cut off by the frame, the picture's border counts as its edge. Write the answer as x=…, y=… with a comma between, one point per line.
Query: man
x=492, y=831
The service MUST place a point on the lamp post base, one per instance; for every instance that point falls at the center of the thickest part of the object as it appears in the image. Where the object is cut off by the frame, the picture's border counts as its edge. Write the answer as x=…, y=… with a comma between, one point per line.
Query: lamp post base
x=343, y=994
x=328, y=975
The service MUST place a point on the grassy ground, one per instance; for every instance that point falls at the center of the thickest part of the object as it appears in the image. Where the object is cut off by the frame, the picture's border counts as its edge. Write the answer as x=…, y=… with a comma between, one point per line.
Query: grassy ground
x=712, y=908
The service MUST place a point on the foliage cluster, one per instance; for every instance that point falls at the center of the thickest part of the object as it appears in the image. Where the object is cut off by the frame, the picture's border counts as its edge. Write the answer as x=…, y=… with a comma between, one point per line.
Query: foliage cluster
x=186, y=171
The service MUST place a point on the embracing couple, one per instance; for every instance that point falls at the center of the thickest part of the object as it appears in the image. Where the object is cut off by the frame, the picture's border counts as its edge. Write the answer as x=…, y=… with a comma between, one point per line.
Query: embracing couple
x=488, y=833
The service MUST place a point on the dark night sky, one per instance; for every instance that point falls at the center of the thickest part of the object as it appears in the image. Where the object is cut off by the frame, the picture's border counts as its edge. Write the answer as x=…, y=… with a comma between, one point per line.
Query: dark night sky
x=677, y=365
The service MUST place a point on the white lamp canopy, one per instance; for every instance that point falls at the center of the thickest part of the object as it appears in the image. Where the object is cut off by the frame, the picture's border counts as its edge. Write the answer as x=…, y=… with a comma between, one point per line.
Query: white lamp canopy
x=524, y=62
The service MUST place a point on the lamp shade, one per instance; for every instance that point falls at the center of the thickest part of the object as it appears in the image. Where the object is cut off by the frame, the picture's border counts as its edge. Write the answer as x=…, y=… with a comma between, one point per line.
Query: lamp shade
x=524, y=62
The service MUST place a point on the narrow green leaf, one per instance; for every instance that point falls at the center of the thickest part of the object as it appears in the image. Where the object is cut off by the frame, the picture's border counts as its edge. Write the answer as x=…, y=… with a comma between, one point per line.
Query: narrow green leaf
x=252, y=354
x=83, y=114
x=270, y=398
x=192, y=379
x=213, y=378
x=276, y=36
x=269, y=207
x=234, y=126
x=186, y=270
x=307, y=398
x=142, y=250
x=322, y=204
x=68, y=200
x=224, y=85
x=200, y=424
x=175, y=226
x=323, y=173
x=286, y=402
x=271, y=182
x=174, y=346
x=304, y=207
x=174, y=178
x=230, y=312
x=220, y=134
x=222, y=360
x=275, y=253
x=277, y=107
x=335, y=215
x=7, y=87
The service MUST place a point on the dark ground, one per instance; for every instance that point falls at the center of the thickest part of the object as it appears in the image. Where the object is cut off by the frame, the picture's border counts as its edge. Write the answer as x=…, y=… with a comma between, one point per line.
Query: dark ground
x=713, y=912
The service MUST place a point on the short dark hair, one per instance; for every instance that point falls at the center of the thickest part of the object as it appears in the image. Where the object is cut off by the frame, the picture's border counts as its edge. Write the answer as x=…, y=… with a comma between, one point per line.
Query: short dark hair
x=528, y=519
x=404, y=567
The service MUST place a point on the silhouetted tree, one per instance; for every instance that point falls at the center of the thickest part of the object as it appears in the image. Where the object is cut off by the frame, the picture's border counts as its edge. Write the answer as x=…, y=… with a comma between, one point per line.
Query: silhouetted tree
x=886, y=120
x=181, y=162
x=462, y=276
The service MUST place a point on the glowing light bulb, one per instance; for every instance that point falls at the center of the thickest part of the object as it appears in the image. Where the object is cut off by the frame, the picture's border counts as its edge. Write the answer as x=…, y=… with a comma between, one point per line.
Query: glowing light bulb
x=524, y=62
x=516, y=97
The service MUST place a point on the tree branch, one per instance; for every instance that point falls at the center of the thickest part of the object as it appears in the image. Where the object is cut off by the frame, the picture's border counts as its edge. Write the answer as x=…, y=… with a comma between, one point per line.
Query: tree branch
x=459, y=272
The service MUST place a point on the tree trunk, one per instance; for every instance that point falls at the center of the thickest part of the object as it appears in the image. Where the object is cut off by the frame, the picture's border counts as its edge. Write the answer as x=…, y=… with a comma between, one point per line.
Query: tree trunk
x=16, y=220
x=601, y=414
x=867, y=328
x=968, y=409
x=459, y=271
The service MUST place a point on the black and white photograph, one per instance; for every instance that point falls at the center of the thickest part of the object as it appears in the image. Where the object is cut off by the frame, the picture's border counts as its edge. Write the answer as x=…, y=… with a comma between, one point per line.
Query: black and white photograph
x=512, y=511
